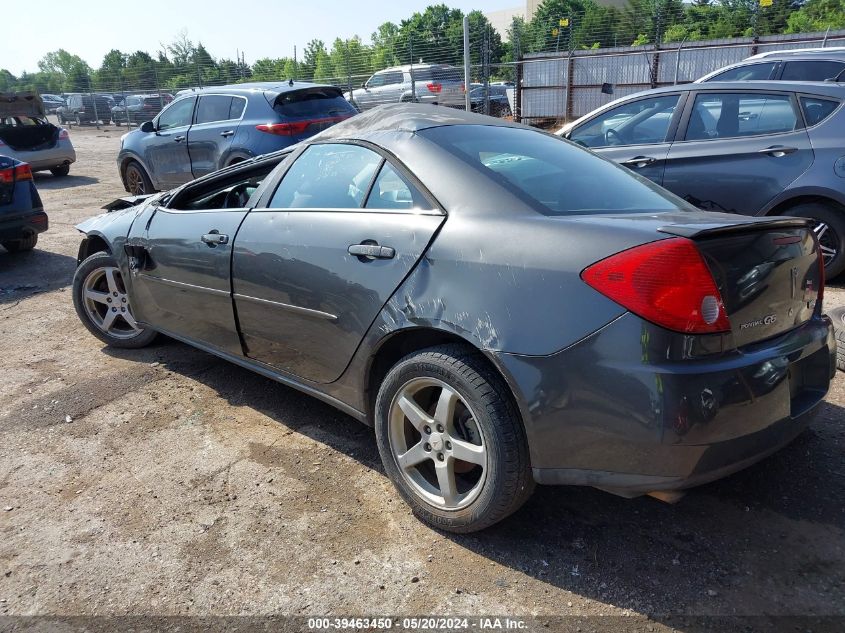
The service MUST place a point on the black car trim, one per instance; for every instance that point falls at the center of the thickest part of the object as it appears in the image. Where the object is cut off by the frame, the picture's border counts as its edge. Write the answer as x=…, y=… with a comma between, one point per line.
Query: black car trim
x=288, y=307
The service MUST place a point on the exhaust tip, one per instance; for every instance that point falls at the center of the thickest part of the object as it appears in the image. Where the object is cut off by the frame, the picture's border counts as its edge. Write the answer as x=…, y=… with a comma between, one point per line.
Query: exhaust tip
x=667, y=496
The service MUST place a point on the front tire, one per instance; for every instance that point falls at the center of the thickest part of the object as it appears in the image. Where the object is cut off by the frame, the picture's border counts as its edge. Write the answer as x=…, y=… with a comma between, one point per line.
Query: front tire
x=24, y=244
x=137, y=181
x=830, y=231
x=451, y=439
x=102, y=304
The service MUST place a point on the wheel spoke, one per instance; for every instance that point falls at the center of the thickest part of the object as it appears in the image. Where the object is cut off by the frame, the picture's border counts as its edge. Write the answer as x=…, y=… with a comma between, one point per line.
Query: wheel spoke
x=111, y=280
x=820, y=229
x=467, y=452
x=108, y=321
x=130, y=320
x=95, y=295
x=445, y=410
x=413, y=456
x=413, y=412
x=446, y=481
x=827, y=250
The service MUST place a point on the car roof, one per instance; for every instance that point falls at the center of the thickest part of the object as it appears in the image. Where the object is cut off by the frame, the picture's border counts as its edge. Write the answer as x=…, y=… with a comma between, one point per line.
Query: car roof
x=833, y=52
x=408, y=67
x=255, y=87
x=404, y=118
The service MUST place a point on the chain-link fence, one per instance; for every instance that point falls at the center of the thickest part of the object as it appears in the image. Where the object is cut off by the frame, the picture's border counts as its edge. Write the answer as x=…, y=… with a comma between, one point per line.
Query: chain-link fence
x=557, y=85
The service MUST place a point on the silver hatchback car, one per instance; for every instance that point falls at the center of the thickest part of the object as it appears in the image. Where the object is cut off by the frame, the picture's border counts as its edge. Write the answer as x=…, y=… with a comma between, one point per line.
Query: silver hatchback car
x=27, y=135
x=438, y=84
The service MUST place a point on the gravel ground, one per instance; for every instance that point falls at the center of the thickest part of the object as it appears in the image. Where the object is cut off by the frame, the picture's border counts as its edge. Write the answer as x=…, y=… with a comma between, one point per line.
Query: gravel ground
x=184, y=485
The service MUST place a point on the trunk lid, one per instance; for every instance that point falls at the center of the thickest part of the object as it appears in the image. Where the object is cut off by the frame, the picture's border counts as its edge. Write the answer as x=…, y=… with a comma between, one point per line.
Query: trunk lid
x=766, y=269
x=26, y=103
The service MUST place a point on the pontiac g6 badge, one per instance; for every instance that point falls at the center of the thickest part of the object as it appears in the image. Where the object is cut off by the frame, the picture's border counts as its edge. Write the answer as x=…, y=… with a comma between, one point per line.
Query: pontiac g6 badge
x=769, y=319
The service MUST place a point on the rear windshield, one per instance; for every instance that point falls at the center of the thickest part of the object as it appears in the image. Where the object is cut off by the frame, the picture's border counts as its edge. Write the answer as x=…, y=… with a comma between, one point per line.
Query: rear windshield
x=313, y=103
x=551, y=175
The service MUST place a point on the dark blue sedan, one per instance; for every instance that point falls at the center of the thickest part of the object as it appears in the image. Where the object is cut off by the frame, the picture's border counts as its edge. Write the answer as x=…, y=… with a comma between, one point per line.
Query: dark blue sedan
x=22, y=215
x=206, y=129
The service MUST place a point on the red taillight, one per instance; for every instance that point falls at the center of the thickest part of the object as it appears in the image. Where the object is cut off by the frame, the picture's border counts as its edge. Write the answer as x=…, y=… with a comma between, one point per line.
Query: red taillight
x=16, y=174
x=665, y=282
x=295, y=128
x=432, y=87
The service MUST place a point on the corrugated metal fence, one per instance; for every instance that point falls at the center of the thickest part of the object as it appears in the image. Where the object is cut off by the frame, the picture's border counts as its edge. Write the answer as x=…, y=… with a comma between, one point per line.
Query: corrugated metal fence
x=564, y=86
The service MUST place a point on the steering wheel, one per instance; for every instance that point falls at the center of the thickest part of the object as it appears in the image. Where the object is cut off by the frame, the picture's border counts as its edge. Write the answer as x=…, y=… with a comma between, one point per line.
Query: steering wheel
x=238, y=197
x=613, y=137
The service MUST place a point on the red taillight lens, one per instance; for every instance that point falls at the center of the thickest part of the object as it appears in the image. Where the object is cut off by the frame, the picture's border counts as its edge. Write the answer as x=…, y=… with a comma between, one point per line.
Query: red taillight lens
x=665, y=282
x=15, y=174
x=295, y=128
x=432, y=87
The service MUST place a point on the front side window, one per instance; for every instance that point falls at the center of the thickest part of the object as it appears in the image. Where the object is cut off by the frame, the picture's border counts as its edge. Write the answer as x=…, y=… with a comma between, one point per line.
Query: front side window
x=548, y=174
x=640, y=122
x=178, y=114
x=749, y=72
x=376, y=81
x=811, y=70
x=327, y=176
x=213, y=108
x=730, y=115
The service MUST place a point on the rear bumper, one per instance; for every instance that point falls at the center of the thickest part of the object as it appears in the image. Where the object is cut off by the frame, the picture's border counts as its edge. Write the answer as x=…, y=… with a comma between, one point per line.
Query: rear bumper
x=20, y=225
x=613, y=412
x=62, y=154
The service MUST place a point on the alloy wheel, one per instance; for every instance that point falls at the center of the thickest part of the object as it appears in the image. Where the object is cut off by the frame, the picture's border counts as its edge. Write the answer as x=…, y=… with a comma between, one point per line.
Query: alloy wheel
x=107, y=304
x=134, y=181
x=828, y=242
x=437, y=444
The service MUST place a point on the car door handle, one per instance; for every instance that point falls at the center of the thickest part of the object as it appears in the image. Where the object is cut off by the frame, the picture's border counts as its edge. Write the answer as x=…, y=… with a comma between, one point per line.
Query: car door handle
x=227, y=133
x=638, y=162
x=371, y=251
x=214, y=238
x=778, y=151
x=178, y=139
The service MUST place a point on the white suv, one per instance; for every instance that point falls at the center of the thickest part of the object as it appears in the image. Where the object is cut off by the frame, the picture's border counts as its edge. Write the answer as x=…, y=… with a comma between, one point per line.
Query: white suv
x=432, y=83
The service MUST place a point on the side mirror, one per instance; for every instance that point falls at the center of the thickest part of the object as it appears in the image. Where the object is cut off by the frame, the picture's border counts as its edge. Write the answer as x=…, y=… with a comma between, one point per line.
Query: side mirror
x=147, y=127
x=364, y=85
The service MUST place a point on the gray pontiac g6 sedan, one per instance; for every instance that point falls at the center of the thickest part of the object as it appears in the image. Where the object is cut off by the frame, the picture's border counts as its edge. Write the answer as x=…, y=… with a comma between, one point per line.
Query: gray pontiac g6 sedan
x=503, y=306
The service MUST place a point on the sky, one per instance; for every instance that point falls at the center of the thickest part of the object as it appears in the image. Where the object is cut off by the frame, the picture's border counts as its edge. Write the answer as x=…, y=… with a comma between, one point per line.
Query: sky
x=258, y=28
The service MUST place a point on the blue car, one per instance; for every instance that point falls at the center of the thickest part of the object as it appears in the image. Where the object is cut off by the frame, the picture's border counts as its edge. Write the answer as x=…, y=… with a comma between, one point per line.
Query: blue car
x=207, y=129
x=22, y=215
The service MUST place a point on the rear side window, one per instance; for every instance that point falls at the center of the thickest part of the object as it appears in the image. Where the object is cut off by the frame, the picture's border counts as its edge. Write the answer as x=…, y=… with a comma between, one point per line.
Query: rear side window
x=730, y=115
x=446, y=73
x=327, y=176
x=237, y=107
x=392, y=192
x=811, y=70
x=213, y=108
x=749, y=72
x=313, y=103
x=817, y=110
x=549, y=174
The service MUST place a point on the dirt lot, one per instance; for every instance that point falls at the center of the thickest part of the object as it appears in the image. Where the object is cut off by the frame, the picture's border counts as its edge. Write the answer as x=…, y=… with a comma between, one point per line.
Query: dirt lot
x=186, y=485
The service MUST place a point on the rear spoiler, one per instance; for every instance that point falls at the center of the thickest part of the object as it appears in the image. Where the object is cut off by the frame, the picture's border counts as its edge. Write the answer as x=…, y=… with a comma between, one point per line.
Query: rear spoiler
x=737, y=224
x=125, y=203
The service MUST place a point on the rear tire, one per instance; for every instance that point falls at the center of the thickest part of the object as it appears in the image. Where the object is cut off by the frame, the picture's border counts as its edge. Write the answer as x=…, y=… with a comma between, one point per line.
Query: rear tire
x=102, y=304
x=459, y=408
x=61, y=171
x=837, y=315
x=830, y=229
x=137, y=181
x=24, y=244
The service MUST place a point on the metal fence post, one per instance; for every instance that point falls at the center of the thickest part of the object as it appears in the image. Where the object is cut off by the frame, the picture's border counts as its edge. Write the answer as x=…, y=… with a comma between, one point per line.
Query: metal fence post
x=570, y=70
x=678, y=60
x=517, y=97
x=467, y=78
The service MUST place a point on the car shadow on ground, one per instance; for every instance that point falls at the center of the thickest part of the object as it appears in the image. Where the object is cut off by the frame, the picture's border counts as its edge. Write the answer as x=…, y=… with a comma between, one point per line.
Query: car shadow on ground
x=45, y=180
x=721, y=543
x=31, y=272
